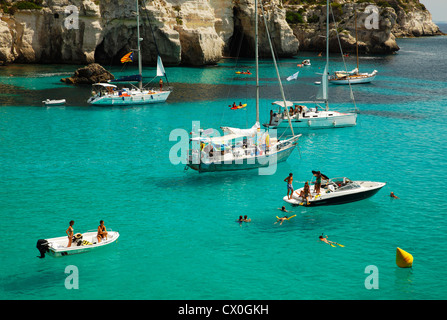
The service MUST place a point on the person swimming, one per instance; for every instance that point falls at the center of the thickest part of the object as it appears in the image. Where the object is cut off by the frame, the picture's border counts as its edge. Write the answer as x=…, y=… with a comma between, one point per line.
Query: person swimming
x=392, y=195
x=281, y=220
x=331, y=243
x=283, y=209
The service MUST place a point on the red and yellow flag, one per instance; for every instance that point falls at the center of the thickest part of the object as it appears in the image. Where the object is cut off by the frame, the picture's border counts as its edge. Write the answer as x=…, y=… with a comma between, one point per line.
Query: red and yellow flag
x=127, y=58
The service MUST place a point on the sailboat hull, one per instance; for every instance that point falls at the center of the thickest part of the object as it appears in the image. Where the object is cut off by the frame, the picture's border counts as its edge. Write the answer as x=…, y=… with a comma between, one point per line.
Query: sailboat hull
x=354, y=79
x=319, y=120
x=133, y=99
x=244, y=164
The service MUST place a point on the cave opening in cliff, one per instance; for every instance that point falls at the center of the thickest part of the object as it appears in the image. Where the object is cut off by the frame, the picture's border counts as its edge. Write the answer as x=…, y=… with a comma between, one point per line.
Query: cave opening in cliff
x=240, y=44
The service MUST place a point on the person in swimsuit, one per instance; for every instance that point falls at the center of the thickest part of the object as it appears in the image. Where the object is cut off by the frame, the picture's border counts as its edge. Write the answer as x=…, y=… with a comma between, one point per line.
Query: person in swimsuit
x=305, y=193
x=69, y=233
x=281, y=220
x=102, y=232
x=317, y=182
x=325, y=240
x=283, y=209
x=289, y=181
x=392, y=195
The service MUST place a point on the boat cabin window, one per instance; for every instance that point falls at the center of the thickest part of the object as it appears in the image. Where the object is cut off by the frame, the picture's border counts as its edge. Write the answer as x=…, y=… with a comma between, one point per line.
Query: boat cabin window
x=348, y=186
x=341, y=184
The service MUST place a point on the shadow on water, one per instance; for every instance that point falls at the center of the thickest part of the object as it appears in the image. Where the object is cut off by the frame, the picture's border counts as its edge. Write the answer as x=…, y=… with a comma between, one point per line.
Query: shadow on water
x=190, y=178
x=18, y=96
x=403, y=281
x=33, y=282
x=392, y=114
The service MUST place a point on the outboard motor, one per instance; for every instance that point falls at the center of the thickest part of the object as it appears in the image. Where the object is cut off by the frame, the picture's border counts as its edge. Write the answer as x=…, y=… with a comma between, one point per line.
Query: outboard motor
x=43, y=247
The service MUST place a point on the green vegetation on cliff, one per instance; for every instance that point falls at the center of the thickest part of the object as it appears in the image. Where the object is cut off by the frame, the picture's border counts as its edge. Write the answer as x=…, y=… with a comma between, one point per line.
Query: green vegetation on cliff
x=12, y=6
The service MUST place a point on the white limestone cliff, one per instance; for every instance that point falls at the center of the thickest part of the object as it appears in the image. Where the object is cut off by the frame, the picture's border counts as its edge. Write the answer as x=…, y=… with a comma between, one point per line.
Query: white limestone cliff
x=196, y=32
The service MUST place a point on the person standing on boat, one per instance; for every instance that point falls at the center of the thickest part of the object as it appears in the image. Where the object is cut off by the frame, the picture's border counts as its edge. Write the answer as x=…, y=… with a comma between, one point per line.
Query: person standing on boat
x=289, y=181
x=317, y=175
x=69, y=233
x=102, y=232
x=161, y=84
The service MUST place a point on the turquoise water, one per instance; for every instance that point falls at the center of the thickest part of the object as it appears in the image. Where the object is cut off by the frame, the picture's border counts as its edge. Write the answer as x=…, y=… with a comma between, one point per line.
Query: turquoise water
x=179, y=239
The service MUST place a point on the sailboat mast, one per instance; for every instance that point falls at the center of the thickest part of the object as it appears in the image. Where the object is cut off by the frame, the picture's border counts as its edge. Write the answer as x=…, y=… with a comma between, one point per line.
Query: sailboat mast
x=140, y=62
x=277, y=71
x=327, y=50
x=356, y=41
x=257, y=60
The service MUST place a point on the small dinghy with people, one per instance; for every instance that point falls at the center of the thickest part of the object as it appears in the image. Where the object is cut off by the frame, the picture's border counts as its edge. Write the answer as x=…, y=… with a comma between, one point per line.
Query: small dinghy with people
x=81, y=243
x=335, y=191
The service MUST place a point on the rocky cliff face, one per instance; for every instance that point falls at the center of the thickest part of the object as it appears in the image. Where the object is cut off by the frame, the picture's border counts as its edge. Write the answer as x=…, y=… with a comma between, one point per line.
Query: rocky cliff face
x=196, y=32
x=376, y=22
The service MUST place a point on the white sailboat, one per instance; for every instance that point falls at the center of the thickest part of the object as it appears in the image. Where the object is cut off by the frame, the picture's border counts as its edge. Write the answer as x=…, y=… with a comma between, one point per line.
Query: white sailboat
x=241, y=149
x=353, y=76
x=109, y=94
x=316, y=117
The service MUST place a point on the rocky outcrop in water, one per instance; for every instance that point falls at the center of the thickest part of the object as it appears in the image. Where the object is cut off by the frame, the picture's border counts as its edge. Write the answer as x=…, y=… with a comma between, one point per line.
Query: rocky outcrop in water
x=93, y=73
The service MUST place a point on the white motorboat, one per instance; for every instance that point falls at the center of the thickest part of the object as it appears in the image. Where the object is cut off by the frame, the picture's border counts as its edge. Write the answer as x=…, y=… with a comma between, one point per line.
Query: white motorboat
x=82, y=243
x=306, y=62
x=336, y=191
x=49, y=102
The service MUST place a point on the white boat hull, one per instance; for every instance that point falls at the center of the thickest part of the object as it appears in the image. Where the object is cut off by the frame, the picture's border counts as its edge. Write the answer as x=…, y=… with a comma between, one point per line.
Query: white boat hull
x=326, y=197
x=244, y=163
x=315, y=120
x=354, y=79
x=133, y=99
x=58, y=246
x=49, y=102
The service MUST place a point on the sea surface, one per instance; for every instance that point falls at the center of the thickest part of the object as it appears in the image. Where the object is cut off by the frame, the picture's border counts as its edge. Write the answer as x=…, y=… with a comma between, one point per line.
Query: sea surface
x=179, y=239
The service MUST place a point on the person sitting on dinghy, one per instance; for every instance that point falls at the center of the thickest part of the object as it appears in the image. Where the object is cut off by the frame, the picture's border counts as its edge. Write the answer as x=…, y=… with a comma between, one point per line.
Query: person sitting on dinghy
x=102, y=232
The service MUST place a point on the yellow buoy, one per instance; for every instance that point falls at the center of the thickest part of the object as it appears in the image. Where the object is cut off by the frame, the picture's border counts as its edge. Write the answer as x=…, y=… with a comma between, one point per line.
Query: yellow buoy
x=403, y=258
